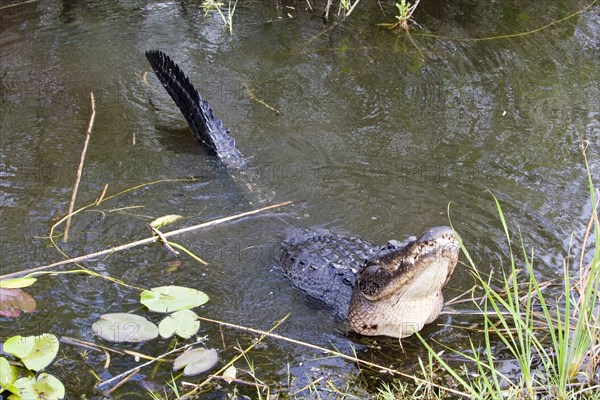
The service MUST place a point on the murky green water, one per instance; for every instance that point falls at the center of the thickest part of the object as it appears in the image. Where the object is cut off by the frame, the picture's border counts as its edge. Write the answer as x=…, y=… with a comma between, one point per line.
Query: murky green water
x=374, y=138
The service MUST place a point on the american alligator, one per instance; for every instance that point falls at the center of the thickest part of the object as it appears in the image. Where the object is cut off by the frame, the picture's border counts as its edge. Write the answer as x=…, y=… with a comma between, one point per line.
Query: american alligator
x=390, y=290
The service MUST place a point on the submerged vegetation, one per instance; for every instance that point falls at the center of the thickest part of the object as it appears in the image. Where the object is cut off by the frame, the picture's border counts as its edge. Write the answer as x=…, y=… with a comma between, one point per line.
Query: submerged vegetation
x=405, y=15
x=218, y=7
x=404, y=8
x=554, y=339
x=548, y=332
x=550, y=337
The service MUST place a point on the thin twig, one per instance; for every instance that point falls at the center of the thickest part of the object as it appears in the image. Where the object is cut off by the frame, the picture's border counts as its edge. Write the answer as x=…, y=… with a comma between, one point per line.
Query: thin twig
x=121, y=383
x=242, y=353
x=107, y=361
x=80, y=168
x=352, y=8
x=334, y=353
x=88, y=345
x=124, y=374
x=326, y=12
x=311, y=383
x=152, y=239
x=163, y=240
x=511, y=35
x=99, y=200
x=100, y=348
x=17, y=4
x=252, y=95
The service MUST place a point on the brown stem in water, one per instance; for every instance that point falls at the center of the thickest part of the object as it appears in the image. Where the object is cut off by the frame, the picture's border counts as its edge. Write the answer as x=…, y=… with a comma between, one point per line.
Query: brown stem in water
x=125, y=374
x=152, y=239
x=80, y=168
x=331, y=353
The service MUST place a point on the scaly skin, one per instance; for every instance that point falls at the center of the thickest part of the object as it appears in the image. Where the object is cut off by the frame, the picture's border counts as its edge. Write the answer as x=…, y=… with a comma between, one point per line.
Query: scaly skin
x=391, y=290
x=399, y=293
x=208, y=129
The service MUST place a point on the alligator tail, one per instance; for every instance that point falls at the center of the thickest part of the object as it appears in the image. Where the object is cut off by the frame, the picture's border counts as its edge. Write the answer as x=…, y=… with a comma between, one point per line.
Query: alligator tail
x=208, y=129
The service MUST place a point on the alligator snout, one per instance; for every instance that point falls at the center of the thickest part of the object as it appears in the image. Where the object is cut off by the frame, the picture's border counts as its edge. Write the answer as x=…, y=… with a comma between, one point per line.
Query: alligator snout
x=394, y=292
x=401, y=291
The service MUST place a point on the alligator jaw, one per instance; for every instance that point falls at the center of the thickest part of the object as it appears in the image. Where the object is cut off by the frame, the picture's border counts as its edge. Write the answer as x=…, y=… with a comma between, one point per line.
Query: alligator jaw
x=400, y=291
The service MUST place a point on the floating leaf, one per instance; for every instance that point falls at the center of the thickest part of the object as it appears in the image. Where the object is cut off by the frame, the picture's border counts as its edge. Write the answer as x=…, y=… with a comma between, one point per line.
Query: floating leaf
x=8, y=376
x=166, y=220
x=172, y=298
x=25, y=389
x=15, y=301
x=230, y=374
x=123, y=327
x=196, y=361
x=36, y=352
x=17, y=283
x=46, y=387
x=184, y=323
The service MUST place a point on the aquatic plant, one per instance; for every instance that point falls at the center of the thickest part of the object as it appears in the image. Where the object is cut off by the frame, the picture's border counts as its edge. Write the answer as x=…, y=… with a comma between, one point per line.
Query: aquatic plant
x=404, y=17
x=217, y=6
x=35, y=353
x=554, y=338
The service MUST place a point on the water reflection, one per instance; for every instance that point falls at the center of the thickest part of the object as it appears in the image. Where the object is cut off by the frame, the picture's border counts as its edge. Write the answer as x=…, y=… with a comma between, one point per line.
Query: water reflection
x=371, y=140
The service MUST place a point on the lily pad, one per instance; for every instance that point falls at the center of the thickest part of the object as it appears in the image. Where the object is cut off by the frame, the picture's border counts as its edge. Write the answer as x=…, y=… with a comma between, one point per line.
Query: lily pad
x=36, y=352
x=45, y=386
x=172, y=298
x=17, y=283
x=230, y=374
x=196, y=361
x=8, y=375
x=184, y=323
x=165, y=220
x=123, y=327
x=15, y=301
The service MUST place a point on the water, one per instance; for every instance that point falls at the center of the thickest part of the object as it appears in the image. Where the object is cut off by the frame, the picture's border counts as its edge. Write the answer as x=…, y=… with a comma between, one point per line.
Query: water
x=372, y=139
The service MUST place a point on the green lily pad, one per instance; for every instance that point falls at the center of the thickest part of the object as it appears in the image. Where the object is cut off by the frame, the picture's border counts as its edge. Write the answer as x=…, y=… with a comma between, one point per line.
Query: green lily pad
x=15, y=301
x=123, y=327
x=8, y=376
x=172, y=298
x=184, y=323
x=45, y=387
x=17, y=283
x=165, y=220
x=196, y=361
x=36, y=352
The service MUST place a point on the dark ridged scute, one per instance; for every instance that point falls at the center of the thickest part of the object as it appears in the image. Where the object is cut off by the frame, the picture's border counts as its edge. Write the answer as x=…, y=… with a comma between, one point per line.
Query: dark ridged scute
x=325, y=267
x=206, y=127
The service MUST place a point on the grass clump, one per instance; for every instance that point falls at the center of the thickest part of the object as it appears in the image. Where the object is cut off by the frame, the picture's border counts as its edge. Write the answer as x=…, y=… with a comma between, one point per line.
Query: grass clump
x=554, y=339
x=218, y=6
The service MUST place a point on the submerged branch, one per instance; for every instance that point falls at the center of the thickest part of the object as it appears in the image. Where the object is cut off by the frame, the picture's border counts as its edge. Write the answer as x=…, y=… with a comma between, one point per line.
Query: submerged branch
x=335, y=354
x=148, y=240
x=125, y=374
x=88, y=135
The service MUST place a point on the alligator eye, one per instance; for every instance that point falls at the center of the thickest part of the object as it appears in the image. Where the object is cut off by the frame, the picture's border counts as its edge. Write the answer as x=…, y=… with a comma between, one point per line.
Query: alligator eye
x=368, y=288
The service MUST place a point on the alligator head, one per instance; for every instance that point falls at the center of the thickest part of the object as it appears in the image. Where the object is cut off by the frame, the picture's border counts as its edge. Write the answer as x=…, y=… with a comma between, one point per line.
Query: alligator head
x=400, y=290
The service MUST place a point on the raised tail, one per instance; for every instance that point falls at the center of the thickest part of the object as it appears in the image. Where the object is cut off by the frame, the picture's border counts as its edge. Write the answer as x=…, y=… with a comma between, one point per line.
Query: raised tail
x=208, y=129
